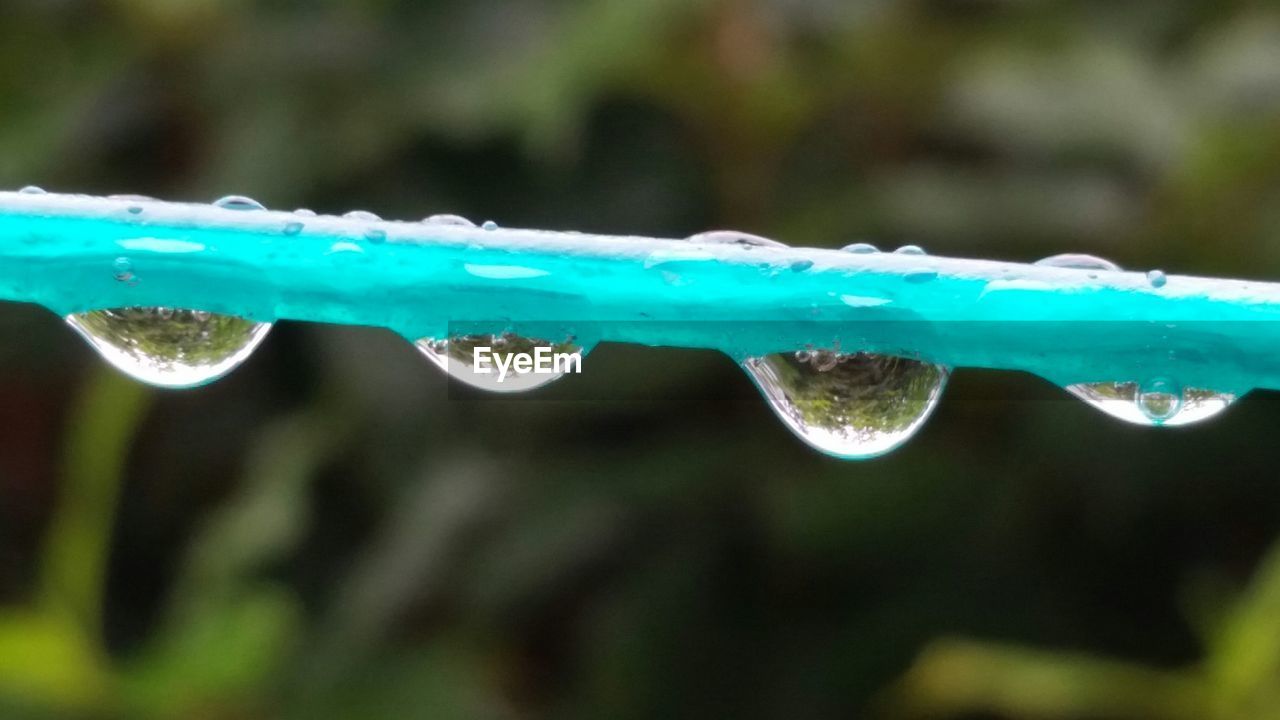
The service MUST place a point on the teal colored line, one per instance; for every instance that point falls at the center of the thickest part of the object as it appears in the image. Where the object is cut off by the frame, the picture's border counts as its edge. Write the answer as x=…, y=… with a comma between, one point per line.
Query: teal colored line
x=73, y=253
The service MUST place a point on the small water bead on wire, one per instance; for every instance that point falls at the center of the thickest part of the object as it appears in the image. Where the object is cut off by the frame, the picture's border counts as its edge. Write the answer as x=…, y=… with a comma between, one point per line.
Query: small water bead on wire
x=133, y=209
x=1157, y=278
x=910, y=250
x=238, y=202
x=861, y=248
x=489, y=225
x=1079, y=261
x=733, y=237
x=457, y=356
x=168, y=347
x=448, y=219
x=33, y=190
x=362, y=215
x=122, y=269
x=849, y=405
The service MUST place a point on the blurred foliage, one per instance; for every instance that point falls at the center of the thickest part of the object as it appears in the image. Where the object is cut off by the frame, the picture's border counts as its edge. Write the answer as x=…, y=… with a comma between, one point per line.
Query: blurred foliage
x=335, y=532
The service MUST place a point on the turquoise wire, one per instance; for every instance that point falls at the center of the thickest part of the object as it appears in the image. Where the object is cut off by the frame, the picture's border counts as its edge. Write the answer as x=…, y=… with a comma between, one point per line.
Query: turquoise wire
x=74, y=253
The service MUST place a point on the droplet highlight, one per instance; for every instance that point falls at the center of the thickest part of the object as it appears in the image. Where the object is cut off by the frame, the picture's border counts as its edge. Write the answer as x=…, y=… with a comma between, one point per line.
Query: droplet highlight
x=169, y=347
x=849, y=405
x=499, y=363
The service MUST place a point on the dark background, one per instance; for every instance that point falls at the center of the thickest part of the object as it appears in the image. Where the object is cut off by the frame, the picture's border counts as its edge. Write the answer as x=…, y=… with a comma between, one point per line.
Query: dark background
x=334, y=532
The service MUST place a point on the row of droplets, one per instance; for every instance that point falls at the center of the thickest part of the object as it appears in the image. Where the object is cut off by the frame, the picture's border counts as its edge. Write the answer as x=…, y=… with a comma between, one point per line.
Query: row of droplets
x=846, y=404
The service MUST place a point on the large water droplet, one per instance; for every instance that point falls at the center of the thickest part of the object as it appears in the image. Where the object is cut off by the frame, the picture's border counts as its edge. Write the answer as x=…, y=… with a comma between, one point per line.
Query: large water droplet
x=33, y=190
x=733, y=237
x=495, y=369
x=238, y=202
x=1158, y=402
x=850, y=405
x=167, y=347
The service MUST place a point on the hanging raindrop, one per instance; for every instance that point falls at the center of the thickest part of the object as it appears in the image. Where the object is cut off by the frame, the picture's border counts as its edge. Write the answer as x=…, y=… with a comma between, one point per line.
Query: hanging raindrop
x=167, y=347
x=1156, y=403
x=849, y=405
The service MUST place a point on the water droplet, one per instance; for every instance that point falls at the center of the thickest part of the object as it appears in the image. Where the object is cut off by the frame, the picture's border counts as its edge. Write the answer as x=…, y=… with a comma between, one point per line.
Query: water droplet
x=293, y=228
x=801, y=265
x=167, y=347
x=123, y=269
x=458, y=357
x=33, y=190
x=361, y=215
x=135, y=209
x=447, y=219
x=490, y=225
x=1158, y=402
x=304, y=212
x=375, y=235
x=849, y=405
x=238, y=202
x=1079, y=262
x=861, y=248
x=910, y=250
x=1157, y=278
x=733, y=237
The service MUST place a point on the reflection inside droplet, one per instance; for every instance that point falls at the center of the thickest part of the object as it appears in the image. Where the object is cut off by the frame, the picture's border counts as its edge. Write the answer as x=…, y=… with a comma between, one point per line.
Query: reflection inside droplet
x=850, y=405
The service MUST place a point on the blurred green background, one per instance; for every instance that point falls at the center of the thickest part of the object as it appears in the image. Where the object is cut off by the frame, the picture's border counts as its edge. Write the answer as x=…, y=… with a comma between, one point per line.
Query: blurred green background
x=334, y=532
